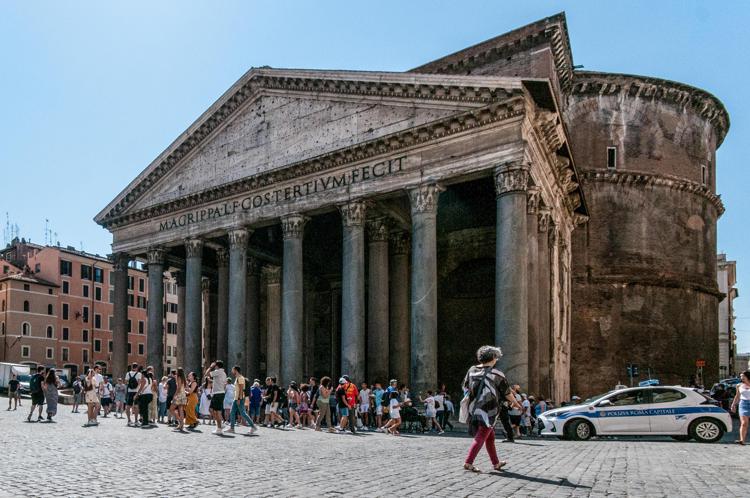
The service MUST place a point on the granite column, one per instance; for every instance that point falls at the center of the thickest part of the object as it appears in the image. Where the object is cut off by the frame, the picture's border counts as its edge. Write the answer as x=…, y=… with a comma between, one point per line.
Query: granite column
x=252, y=319
x=377, y=301
x=398, y=294
x=222, y=305
x=155, y=339
x=237, y=322
x=353, y=291
x=292, y=304
x=272, y=275
x=193, y=304
x=120, y=316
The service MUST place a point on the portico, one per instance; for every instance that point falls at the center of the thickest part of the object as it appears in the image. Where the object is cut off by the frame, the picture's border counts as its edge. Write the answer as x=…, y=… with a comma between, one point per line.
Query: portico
x=363, y=185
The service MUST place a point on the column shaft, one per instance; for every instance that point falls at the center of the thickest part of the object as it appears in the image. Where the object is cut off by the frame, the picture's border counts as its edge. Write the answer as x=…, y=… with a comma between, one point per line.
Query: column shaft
x=222, y=306
x=377, y=302
x=336, y=330
x=353, y=292
x=179, y=277
x=208, y=320
x=545, y=306
x=273, y=328
x=399, y=341
x=511, y=272
x=424, y=334
x=193, y=304
x=155, y=339
x=532, y=206
x=292, y=300
x=252, y=318
x=237, y=323
x=120, y=316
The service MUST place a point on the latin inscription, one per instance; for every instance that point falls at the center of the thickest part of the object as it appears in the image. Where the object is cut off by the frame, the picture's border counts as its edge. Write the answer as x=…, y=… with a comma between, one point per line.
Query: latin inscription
x=286, y=194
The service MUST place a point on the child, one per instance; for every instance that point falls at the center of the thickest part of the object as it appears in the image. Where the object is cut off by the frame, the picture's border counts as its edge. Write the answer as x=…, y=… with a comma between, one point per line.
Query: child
x=204, y=408
x=364, y=405
x=431, y=412
x=293, y=398
x=228, y=400
x=394, y=410
x=449, y=410
x=304, y=405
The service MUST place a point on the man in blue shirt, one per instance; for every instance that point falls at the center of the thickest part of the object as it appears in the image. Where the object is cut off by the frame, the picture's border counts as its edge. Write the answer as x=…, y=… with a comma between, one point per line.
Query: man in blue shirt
x=377, y=394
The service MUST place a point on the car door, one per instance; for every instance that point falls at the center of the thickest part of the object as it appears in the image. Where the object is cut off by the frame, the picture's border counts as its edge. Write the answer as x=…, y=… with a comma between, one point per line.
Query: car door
x=624, y=412
x=667, y=411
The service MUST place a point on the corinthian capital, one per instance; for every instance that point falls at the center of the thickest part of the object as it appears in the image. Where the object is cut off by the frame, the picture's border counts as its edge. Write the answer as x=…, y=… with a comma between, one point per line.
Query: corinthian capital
x=222, y=257
x=353, y=213
x=238, y=238
x=511, y=177
x=293, y=226
x=545, y=218
x=533, y=199
x=155, y=255
x=424, y=199
x=120, y=261
x=377, y=230
x=272, y=274
x=194, y=248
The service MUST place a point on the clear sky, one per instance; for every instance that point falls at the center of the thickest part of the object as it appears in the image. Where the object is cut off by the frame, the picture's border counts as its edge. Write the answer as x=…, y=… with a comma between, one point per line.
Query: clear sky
x=92, y=92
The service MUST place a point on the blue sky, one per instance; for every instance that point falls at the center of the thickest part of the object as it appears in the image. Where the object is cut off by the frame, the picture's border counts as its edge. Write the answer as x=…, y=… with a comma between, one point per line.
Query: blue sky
x=91, y=92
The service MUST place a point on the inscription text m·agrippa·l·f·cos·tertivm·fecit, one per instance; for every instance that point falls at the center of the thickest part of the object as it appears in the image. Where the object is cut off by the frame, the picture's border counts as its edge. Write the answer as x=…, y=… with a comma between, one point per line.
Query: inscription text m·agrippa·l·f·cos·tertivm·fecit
x=278, y=195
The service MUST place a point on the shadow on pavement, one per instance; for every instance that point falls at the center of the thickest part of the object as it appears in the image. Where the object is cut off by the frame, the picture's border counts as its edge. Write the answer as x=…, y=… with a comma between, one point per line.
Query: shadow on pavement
x=562, y=482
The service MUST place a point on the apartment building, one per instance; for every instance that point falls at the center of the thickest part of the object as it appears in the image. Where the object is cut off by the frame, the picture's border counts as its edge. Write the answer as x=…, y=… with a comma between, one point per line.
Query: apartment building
x=727, y=279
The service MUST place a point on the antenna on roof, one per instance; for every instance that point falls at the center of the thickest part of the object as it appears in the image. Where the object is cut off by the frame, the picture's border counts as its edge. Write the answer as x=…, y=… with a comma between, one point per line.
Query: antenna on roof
x=46, y=231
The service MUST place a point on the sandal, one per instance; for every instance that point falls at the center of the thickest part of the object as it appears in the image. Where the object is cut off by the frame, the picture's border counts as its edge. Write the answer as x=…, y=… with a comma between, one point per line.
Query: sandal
x=471, y=468
x=500, y=465
x=741, y=443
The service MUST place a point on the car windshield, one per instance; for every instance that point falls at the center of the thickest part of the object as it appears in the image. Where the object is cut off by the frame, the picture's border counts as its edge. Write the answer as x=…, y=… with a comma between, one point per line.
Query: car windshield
x=24, y=378
x=594, y=398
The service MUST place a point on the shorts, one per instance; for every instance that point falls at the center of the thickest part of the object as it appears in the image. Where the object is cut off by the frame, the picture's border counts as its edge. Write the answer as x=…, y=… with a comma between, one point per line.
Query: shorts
x=379, y=410
x=254, y=411
x=106, y=401
x=515, y=419
x=217, y=401
x=129, y=399
x=37, y=398
x=271, y=408
x=364, y=408
x=744, y=408
x=292, y=406
x=429, y=413
x=344, y=412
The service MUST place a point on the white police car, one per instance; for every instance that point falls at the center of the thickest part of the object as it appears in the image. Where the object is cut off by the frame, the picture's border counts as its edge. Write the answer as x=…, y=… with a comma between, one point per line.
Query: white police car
x=679, y=412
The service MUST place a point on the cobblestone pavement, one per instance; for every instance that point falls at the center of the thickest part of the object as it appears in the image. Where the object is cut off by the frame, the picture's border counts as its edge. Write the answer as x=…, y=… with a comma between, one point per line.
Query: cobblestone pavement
x=66, y=459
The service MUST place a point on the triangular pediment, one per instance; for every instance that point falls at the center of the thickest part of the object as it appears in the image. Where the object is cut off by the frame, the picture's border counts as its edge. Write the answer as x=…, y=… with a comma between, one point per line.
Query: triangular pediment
x=274, y=118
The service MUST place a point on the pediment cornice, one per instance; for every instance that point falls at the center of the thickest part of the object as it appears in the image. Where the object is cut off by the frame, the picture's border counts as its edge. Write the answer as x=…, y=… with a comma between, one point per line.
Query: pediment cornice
x=464, y=121
x=479, y=91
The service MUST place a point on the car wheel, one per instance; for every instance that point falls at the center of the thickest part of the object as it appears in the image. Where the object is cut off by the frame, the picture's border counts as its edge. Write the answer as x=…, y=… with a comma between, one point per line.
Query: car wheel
x=680, y=438
x=706, y=430
x=580, y=430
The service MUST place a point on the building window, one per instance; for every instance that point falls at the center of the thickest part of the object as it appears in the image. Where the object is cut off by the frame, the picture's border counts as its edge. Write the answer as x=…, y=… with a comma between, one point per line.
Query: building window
x=85, y=272
x=98, y=293
x=130, y=348
x=65, y=311
x=141, y=285
x=140, y=348
x=99, y=275
x=26, y=287
x=2, y=328
x=26, y=306
x=49, y=291
x=111, y=277
x=37, y=268
x=25, y=328
x=66, y=268
x=109, y=345
x=142, y=302
x=130, y=326
x=50, y=309
x=110, y=323
x=97, y=345
x=50, y=353
x=111, y=295
x=612, y=157
x=85, y=314
x=131, y=283
x=141, y=326
x=131, y=300
x=97, y=321
x=85, y=291
x=85, y=335
x=85, y=355
x=25, y=351
x=65, y=334
x=66, y=287
x=50, y=332
x=3, y=306
x=65, y=354
x=704, y=175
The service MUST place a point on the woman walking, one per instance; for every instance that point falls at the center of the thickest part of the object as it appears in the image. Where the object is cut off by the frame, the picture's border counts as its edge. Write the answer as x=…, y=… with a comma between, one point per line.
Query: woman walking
x=742, y=402
x=324, y=404
x=120, y=396
x=205, y=406
x=292, y=395
x=51, y=383
x=146, y=389
x=486, y=388
x=90, y=388
x=191, y=392
x=180, y=400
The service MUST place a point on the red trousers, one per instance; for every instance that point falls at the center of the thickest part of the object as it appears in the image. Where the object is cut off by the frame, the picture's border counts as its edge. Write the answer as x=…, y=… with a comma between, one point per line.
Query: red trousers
x=485, y=436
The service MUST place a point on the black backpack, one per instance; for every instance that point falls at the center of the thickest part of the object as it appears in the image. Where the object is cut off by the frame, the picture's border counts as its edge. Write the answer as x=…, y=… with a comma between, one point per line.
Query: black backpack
x=35, y=384
x=132, y=380
x=76, y=387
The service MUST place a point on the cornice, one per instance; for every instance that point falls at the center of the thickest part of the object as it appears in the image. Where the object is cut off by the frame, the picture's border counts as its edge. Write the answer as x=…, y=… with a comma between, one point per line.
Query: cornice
x=707, y=106
x=636, y=179
x=389, y=144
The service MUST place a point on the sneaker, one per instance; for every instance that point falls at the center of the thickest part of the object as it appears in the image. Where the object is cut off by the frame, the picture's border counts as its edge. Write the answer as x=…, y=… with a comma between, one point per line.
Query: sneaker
x=217, y=431
x=252, y=430
x=230, y=430
x=441, y=432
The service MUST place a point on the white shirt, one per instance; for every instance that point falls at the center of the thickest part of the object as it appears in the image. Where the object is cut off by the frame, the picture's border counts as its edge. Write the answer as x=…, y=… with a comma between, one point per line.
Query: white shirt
x=128, y=376
x=744, y=392
x=106, y=390
x=516, y=411
x=364, y=397
x=219, y=378
x=394, y=409
x=430, y=403
x=163, y=392
x=526, y=405
x=229, y=396
x=440, y=399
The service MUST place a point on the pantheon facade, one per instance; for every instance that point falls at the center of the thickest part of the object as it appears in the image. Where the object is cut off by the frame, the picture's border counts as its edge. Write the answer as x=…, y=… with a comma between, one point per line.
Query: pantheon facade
x=384, y=225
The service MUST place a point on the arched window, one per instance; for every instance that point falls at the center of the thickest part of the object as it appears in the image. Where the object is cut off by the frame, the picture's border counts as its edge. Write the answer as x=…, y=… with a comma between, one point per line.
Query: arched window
x=50, y=332
x=2, y=328
x=3, y=307
x=25, y=328
x=26, y=306
x=50, y=309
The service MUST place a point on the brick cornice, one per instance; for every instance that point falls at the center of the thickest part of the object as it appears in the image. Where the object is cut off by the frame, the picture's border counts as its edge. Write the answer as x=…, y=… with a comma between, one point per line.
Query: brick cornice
x=389, y=144
x=637, y=179
x=707, y=106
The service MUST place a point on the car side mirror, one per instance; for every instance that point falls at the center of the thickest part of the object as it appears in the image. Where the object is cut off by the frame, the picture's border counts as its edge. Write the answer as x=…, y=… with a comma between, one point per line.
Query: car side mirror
x=604, y=402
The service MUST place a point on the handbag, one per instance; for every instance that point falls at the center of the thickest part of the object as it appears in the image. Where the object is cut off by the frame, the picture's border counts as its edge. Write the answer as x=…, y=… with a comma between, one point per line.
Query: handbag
x=463, y=414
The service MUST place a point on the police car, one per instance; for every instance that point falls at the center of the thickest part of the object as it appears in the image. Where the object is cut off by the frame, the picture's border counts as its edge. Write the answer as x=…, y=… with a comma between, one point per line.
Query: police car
x=674, y=411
